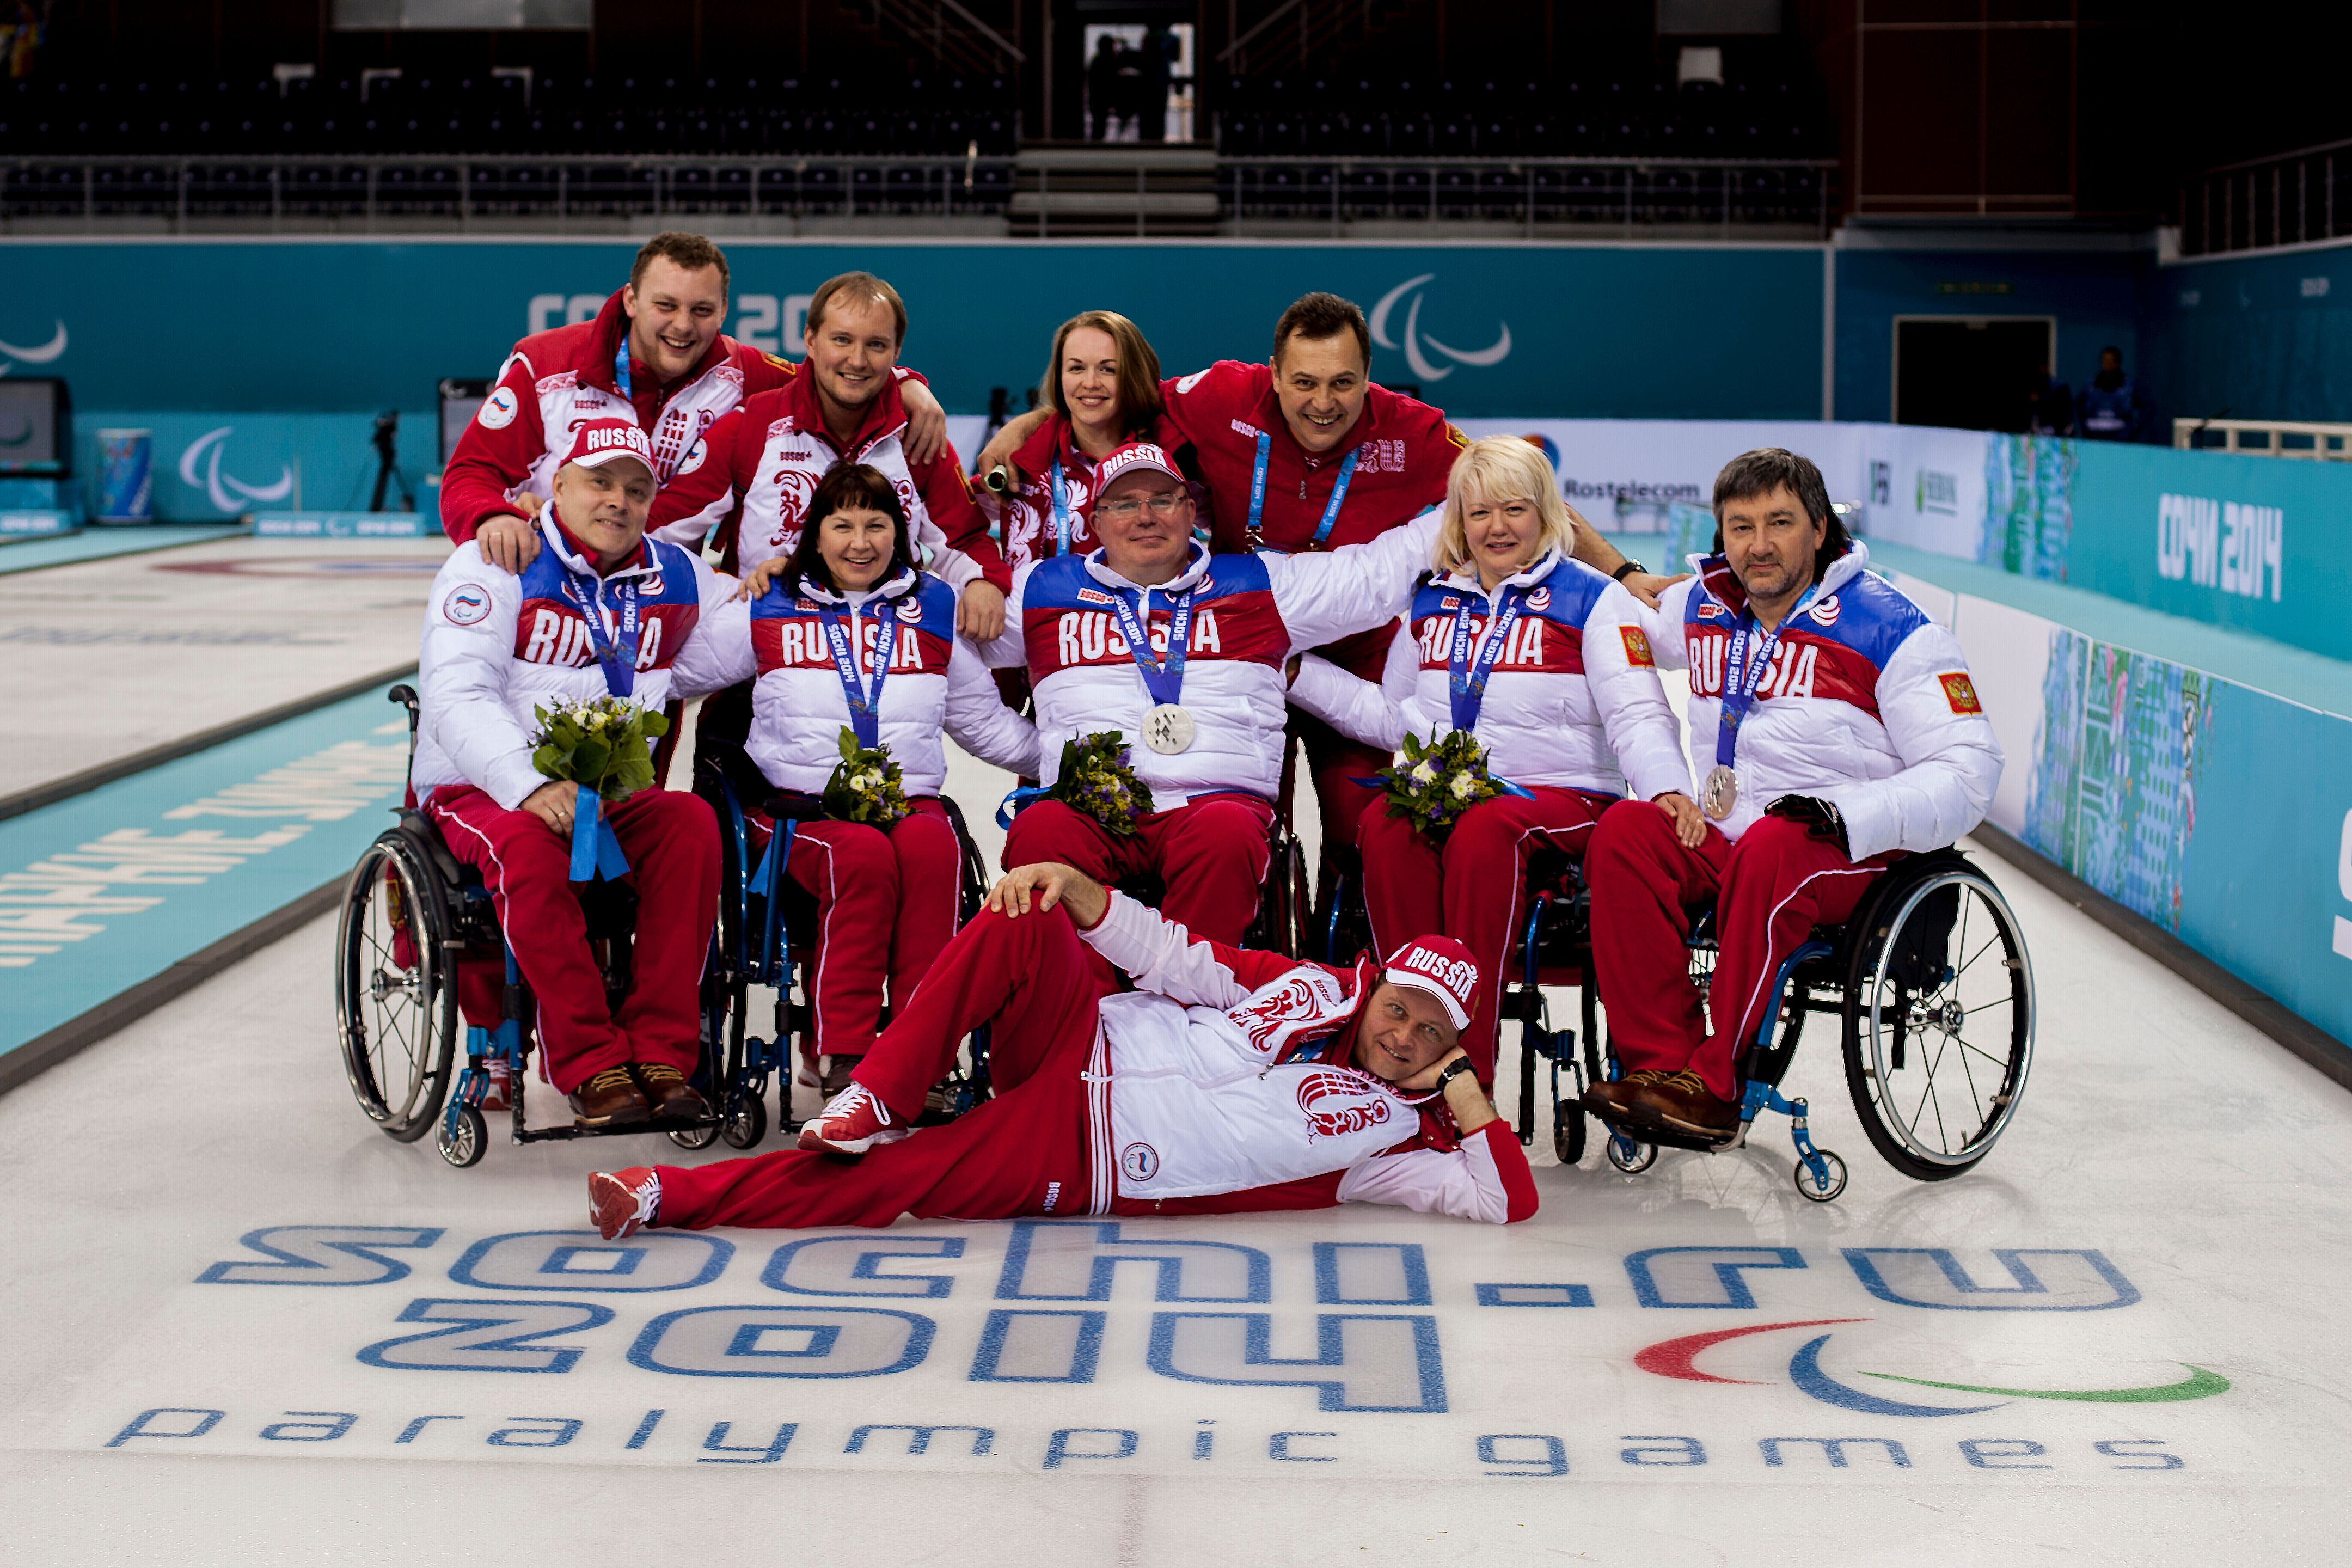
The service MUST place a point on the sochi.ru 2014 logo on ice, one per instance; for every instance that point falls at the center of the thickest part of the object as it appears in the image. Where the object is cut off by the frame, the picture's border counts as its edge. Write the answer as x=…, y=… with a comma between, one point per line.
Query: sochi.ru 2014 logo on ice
x=200, y=468
x=1417, y=344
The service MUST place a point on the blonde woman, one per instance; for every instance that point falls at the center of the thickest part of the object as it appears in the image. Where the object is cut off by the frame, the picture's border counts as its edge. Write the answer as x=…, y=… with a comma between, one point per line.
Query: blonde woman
x=1542, y=659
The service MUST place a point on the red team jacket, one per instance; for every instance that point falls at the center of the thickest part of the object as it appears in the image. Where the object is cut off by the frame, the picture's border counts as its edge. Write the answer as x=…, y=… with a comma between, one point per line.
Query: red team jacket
x=555, y=381
x=1408, y=450
x=763, y=462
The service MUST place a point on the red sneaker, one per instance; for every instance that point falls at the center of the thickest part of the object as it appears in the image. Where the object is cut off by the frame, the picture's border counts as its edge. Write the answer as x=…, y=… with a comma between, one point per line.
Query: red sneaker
x=500, y=1094
x=851, y=1123
x=623, y=1202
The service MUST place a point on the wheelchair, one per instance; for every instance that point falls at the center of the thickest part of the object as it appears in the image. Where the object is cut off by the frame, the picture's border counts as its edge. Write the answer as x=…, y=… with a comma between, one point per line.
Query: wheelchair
x=764, y=938
x=417, y=934
x=1930, y=980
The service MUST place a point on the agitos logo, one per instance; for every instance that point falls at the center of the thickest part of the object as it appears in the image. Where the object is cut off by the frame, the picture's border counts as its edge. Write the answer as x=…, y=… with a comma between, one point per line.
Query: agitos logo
x=1678, y=1359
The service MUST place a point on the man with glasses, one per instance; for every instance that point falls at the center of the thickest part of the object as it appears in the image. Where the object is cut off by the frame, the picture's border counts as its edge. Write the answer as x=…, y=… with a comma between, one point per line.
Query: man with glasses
x=1184, y=653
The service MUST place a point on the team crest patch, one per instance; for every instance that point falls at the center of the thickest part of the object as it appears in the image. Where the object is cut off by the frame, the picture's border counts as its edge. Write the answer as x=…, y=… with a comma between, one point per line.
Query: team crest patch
x=1637, y=648
x=1825, y=613
x=1540, y=600
x=1338, y=1103
x=1192, y=381
x=1139, y=1162
x=910, y=610
x=650, y=585
x=467, y=604
x=1961, y=693
x=693, y=458
x=497, y=409
x=1454, y=433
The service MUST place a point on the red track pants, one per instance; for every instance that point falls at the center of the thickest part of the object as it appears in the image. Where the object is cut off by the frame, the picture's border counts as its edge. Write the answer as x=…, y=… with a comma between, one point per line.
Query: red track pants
x=1474, y=891
x=672, y=844
x=1024, y=1152
x=1770, y=890
x=886, y=902
x=1210, y=853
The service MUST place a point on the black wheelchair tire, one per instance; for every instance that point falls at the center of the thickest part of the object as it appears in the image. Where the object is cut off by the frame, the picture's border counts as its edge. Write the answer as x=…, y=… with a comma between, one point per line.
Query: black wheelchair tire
x=465, y=1144
x=1873, y=936
x=746, y=1123
x=1568, y=1131
x=406, y=1114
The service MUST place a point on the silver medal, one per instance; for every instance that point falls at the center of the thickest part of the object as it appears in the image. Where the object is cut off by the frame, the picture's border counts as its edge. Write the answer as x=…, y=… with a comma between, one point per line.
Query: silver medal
x=1168, y=728
x=1720, y=793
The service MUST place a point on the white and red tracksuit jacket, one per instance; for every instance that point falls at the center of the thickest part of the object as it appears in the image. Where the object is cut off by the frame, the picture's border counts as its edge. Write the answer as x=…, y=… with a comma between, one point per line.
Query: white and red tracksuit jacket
x=1407, y=447
x=1250, y=613
x=554, y=381
x=1867, y=704
x=937, y=683
x=1029, y=528
x=1572, y=701
x=762, y=463
x=497, y=645
x=1228, y=1072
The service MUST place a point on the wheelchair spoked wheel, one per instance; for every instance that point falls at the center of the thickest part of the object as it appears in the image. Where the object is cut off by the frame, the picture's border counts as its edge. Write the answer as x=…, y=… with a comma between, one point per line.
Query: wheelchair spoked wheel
x=462, y=1137
x=694, y=1137
x=396, y=997
x=1938, y=1022
x=1825, y=1191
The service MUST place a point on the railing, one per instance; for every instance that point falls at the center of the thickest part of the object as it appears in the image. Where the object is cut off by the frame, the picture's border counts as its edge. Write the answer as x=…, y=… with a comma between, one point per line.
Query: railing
x=2265, y=438
x=296, y=194
x=949, y=30
x=1790, y=197
x=2292, y=199
x=1536, y=195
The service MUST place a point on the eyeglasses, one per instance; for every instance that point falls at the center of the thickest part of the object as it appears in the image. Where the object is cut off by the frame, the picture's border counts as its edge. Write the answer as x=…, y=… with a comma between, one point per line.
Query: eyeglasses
x=1128, y=507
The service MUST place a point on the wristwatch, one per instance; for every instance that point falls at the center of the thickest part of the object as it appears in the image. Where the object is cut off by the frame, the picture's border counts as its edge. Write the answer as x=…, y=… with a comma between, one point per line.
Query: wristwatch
x=1626, y=568
x=1453, y=1069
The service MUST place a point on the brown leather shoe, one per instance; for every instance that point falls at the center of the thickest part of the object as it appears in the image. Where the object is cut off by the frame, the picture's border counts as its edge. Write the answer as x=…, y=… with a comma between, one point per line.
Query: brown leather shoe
x=1613, y=1101
x=1681, y=1103
x=611, y=1098
x=667, y=1088
x=836, y=1075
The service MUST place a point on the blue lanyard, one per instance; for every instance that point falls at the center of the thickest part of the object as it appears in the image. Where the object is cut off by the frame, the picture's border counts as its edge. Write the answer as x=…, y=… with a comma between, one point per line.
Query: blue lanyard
x=865, y=704
x=620, y=370
x=1061, y=511
x=1163, y=679
x=618, y=660
x=1741, y=677
x=1330, y=512
x=1466, y=678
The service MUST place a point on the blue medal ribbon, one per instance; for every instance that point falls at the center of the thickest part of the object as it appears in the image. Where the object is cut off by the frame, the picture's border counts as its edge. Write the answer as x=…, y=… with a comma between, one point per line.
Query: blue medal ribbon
x=1741, y=676
x=1013, y=803
x=1060, y=511
x=1466, y=678
x=621, y=371
x=1330, y=509
x=864, y=703
x=595, y=848
x=1163, y=680
x=617, y=659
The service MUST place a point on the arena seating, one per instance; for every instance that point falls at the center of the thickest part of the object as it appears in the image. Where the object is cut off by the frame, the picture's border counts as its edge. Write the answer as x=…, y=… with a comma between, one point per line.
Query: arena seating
x=406, y=115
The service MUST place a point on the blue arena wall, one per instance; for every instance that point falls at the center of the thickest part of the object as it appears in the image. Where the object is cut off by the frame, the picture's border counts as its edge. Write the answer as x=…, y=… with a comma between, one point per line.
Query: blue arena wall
x=2263, y=337
x=304, y=326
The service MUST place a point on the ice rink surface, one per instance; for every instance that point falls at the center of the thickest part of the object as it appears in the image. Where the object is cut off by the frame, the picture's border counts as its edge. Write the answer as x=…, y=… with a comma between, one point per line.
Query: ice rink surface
x=109, y=658
x=243, y=1327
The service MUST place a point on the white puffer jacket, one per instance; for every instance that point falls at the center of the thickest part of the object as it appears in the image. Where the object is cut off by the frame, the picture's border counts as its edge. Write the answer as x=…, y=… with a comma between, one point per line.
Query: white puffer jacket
x=1572, y=702
x=1250, y=614
x=1867, y=704
x=937, y=682
x=497, y=646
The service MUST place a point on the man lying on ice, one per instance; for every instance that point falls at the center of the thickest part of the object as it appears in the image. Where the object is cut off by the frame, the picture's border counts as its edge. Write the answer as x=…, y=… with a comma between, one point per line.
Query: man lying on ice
x=1229, y=1080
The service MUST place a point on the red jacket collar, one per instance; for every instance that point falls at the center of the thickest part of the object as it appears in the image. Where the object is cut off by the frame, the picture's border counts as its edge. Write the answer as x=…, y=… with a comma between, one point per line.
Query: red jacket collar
x=885, y=415
x=611, y=327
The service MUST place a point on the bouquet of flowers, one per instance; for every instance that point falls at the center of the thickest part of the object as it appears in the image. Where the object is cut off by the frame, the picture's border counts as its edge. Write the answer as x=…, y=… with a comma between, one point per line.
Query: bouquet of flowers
x=1432, y=785
x=600, y=745
x=865, y=786
x=1096, y=778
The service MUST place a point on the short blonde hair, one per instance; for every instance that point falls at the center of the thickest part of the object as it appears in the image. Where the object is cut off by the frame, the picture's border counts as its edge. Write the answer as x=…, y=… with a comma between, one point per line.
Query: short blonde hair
x=1500, y=468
